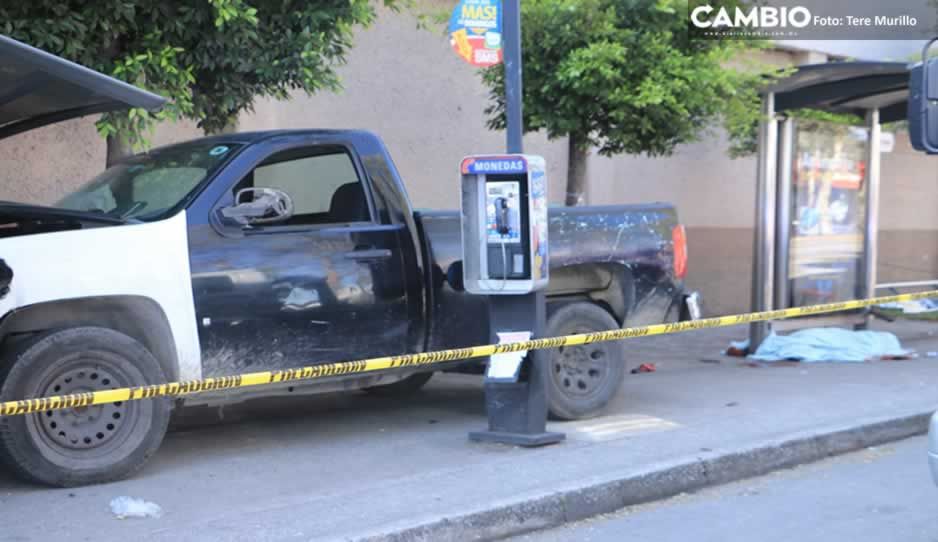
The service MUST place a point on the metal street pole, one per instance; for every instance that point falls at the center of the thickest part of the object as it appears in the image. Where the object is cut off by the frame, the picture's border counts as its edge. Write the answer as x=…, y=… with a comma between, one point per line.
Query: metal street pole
x=511, y=33
x=517, y=412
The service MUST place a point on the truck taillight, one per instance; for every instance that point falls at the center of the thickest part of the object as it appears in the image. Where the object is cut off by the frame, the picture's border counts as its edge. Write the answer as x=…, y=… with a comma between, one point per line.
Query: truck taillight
x=679, y=238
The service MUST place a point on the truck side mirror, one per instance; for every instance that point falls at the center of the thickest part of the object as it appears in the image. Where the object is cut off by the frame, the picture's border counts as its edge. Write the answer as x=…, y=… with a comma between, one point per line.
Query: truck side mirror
x=259, y=206
x=923, y=103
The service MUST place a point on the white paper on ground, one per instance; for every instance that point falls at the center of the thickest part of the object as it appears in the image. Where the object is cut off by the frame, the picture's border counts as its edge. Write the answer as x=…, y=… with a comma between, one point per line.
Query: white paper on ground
x=129, y=507
x=506, y=366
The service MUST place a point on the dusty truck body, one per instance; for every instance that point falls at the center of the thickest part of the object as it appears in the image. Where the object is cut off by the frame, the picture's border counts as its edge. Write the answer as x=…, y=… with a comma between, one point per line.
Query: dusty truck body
x=273, y=250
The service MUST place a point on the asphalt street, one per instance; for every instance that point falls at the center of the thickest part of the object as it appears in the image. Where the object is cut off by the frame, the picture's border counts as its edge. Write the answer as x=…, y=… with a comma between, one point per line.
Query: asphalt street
x=877, y=494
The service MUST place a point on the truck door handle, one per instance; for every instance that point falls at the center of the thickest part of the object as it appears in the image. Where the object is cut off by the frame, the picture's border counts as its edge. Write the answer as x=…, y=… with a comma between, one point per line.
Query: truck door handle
x=369, y=254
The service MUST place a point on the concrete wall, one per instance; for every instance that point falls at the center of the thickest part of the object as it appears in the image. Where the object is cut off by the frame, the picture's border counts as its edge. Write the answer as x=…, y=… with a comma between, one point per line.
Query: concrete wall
x=408, y=85
x=908, y=229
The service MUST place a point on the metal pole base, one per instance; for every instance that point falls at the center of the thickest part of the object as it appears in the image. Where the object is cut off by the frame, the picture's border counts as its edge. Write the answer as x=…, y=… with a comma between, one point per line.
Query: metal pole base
x=513, y=419
x=517, y=439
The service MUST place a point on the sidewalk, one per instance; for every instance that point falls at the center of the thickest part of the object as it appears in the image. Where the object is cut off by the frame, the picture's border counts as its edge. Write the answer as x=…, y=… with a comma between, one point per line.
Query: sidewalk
x=354, y=466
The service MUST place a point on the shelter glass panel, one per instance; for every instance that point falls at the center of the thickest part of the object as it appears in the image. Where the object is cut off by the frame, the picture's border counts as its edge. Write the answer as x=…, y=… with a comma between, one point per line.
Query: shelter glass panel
x=828, y=212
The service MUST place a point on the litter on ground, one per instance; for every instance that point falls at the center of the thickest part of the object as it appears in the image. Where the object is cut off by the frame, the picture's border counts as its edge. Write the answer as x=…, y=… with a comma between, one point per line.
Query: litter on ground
x=644, y=368
x=129, y=507
x=912, y=307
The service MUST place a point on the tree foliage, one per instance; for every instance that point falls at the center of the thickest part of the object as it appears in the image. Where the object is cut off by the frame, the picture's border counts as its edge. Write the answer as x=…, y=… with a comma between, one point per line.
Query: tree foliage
x=213, y=58
x=623, y=76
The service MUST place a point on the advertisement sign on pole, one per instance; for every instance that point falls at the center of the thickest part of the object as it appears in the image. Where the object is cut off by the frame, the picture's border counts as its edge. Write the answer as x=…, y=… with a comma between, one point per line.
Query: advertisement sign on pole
x=475, y=32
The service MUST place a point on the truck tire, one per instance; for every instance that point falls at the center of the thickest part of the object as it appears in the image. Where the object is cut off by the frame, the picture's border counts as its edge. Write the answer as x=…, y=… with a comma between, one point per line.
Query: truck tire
x=582, y=379
x=87, y=445
x=408, y=385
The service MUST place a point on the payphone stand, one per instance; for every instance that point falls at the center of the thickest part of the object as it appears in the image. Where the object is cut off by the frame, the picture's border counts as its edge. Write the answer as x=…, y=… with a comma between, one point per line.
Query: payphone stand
x=517, y=410
x=504, y=234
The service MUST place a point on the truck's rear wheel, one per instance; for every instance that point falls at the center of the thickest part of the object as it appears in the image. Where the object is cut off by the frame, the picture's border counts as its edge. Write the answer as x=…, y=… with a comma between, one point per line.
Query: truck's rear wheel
x=583, y=379
x=87, y=445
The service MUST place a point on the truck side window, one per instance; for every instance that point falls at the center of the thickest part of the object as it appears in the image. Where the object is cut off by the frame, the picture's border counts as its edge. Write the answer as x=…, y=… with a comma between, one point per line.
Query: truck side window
x=323, y=184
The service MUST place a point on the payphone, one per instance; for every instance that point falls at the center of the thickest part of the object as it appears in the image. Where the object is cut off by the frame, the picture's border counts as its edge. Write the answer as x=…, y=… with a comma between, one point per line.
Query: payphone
x=504, y=219
x=504, y=240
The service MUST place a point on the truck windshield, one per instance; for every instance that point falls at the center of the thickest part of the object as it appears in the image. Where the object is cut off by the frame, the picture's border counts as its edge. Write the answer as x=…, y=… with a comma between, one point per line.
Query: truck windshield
x=146, y=186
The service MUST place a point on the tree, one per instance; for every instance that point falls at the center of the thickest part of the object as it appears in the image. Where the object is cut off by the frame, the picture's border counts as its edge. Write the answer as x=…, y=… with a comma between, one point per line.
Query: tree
x=622, y=76
x=212, y=58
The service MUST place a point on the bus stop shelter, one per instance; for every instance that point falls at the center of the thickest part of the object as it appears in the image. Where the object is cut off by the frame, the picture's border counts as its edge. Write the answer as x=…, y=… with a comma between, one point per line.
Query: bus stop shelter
x=38, y=88
x=873, y=91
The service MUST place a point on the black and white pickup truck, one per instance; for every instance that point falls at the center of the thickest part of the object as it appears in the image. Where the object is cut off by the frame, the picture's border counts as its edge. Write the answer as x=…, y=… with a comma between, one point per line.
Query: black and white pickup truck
x=264, y=250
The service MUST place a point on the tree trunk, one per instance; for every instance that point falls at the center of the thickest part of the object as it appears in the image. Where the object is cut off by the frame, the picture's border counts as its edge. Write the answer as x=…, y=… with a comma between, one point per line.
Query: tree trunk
x=576, y=171
x=118, y=147
x=230, y=127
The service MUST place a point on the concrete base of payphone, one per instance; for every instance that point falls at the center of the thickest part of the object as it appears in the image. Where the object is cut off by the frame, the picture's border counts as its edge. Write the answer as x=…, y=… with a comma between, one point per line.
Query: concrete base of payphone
x=517, y=411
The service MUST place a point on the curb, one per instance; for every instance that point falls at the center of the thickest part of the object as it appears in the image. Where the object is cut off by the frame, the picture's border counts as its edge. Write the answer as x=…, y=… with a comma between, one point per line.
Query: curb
x=613, y=492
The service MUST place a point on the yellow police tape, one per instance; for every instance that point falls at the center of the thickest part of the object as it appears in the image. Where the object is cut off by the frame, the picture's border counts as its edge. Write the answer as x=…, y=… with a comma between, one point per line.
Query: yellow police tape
x=176, y=389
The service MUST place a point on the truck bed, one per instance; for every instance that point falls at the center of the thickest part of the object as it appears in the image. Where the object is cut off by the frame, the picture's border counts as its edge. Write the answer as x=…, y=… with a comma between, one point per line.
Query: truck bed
x=620, y=255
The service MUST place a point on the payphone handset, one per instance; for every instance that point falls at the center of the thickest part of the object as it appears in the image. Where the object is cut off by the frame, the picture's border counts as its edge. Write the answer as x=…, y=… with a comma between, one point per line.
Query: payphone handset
x=504, y=250
x=503, y=202
x=504, y=219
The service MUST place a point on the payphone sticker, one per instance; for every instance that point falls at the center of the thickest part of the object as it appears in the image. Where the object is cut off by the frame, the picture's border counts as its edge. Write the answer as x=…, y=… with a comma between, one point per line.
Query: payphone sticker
x=495, y=164
x=539, y=232
x=507, y=366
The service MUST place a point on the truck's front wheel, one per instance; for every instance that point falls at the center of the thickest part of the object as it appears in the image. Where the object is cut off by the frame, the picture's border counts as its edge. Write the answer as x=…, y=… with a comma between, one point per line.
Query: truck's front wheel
x=86, y=445
x=583, y=379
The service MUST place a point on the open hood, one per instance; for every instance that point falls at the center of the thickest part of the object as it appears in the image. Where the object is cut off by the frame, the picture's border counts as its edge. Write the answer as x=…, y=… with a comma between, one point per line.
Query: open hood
x=38, y=88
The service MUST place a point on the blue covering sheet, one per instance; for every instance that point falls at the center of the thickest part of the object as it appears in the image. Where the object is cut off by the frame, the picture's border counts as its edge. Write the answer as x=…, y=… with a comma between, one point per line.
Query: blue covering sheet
x=829, y=344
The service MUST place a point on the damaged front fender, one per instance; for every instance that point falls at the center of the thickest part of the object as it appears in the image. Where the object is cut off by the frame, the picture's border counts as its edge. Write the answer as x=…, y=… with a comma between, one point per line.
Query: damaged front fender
x=146, y=260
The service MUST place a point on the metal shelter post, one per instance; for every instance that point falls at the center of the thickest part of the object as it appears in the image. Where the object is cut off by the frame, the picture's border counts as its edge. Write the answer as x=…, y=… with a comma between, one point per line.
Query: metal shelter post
x=763, y=266
x=783, y=219
x=871, y=237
